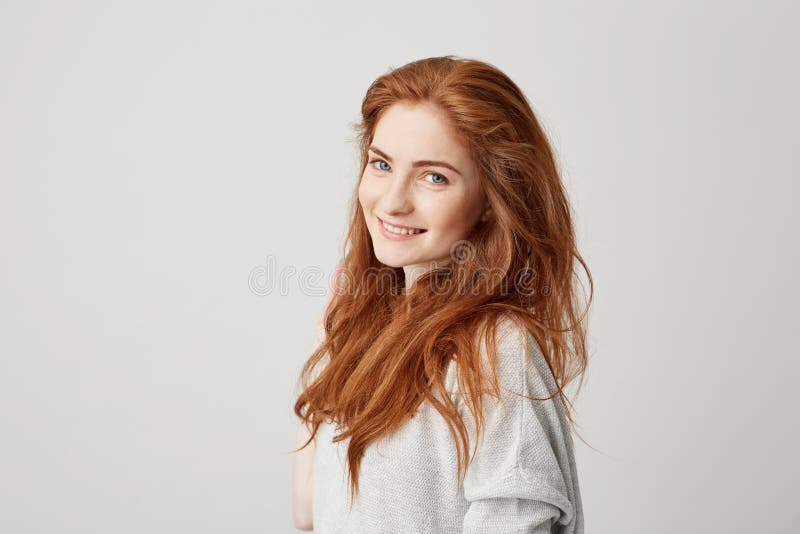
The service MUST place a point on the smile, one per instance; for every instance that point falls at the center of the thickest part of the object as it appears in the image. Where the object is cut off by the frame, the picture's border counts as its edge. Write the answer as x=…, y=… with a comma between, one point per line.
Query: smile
x=399, y=232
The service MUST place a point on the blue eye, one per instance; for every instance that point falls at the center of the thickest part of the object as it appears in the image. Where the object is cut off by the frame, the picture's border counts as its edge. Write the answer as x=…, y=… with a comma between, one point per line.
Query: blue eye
x=443, y=179
x=379, y=161
x=440, y=176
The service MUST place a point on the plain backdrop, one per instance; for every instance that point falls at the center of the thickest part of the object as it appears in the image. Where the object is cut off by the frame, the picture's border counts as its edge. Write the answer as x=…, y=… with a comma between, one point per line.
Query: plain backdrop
x=175, y=187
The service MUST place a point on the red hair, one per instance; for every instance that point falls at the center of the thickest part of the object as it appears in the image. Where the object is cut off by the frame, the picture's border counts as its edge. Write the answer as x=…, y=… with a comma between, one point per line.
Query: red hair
x=386, y=350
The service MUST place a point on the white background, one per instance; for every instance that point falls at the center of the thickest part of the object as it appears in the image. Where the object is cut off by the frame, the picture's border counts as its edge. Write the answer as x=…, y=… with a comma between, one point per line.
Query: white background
x=154, y=155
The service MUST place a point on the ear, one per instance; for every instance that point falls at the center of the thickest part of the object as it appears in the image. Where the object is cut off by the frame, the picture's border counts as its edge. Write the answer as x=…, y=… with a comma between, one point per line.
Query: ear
x=487, y=212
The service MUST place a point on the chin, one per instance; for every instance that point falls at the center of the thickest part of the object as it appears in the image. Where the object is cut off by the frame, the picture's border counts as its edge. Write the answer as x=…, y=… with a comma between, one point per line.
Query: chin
x=390, y=261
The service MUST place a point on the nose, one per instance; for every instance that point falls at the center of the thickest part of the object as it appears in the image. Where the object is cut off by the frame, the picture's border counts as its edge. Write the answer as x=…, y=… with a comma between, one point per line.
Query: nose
x=396, y=199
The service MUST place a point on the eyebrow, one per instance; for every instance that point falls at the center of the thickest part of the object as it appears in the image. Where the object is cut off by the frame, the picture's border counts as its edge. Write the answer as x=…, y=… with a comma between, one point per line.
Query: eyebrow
x=422, y=163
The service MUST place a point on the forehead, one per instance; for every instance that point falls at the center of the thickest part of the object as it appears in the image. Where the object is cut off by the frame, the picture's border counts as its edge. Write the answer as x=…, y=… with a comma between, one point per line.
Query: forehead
x=419, y=131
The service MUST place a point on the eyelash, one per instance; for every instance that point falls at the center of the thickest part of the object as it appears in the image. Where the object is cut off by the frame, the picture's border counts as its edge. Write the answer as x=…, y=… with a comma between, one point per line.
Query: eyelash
x=446, y=179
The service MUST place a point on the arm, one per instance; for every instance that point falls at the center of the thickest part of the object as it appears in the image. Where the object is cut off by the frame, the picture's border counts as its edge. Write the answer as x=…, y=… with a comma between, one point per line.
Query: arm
x=303, y=464
x=521, y=476
x=304, y=459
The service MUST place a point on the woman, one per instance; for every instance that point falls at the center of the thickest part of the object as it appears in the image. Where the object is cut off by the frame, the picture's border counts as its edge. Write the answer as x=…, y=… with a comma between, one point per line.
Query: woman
x=434, y=401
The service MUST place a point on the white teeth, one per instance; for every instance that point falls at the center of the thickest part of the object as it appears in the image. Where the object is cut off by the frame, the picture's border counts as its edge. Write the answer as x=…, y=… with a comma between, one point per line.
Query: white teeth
x=401, y=231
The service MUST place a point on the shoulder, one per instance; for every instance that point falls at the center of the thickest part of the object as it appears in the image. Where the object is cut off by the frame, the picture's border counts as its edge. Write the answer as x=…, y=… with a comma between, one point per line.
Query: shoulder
x=514, y=343
x=519, y=360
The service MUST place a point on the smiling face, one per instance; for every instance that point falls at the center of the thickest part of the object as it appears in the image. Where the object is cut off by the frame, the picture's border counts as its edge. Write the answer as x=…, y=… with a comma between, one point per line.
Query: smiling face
x=419, y=176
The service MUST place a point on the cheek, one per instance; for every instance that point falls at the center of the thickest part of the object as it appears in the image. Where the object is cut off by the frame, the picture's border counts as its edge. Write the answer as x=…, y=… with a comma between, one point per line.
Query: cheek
x=366, y=195
x=449, y=217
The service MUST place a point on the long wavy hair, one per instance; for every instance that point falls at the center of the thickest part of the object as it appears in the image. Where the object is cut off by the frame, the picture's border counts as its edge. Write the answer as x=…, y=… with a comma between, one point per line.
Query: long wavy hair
x=386, y=348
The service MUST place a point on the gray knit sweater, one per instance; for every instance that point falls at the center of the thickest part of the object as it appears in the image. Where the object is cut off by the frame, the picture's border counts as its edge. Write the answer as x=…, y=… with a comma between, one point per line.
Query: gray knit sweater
x=523, y=478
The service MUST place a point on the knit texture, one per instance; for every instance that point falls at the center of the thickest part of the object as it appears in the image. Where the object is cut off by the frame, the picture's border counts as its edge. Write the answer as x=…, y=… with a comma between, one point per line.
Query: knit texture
x=523, y=478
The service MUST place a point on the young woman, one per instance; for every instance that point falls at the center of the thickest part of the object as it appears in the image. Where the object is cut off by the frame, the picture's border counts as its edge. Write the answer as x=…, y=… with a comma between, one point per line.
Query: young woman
x=434, y=400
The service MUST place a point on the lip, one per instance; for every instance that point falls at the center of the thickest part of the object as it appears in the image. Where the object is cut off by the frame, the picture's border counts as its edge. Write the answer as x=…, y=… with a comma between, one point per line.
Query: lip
x=396, y=237
x=400, y=225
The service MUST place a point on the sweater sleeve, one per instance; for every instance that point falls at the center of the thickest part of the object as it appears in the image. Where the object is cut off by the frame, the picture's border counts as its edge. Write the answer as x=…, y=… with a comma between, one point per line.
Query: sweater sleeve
x=519, y=478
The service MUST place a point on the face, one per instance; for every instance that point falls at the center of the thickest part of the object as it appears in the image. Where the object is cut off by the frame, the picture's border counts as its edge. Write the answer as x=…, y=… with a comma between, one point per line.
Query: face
x=418, y=176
